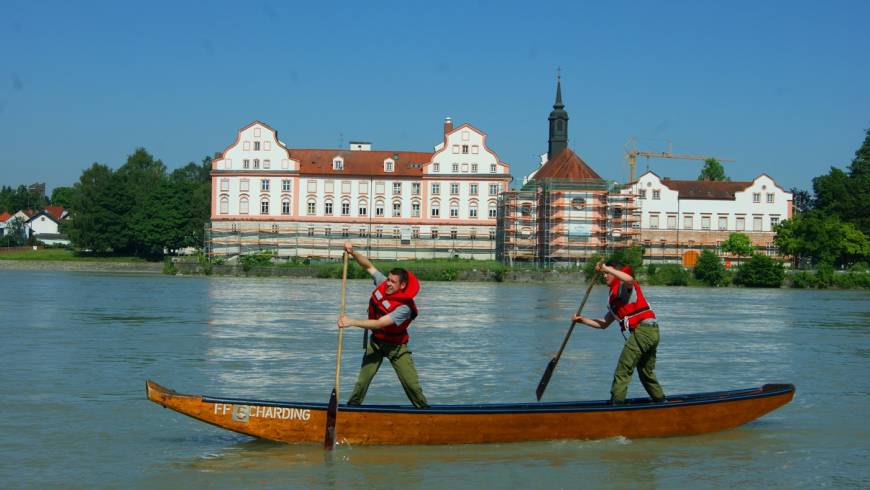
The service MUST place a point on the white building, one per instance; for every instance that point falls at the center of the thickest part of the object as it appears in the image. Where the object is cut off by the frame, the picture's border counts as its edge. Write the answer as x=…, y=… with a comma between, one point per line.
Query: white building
x=397, y=204
x=680, y=217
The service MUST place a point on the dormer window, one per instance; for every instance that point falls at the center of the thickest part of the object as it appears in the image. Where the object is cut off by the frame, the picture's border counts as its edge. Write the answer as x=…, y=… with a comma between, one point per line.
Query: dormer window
x=436, y=167
x=337, y=164
x=388, y=165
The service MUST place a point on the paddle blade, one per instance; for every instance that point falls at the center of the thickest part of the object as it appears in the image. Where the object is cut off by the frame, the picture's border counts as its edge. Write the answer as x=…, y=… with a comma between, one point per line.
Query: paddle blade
x=331, y=412
x=545, y=379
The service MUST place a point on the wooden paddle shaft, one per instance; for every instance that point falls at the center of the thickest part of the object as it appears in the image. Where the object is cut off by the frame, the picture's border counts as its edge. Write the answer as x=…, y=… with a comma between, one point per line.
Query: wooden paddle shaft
x=341, y=330
x=579, y=310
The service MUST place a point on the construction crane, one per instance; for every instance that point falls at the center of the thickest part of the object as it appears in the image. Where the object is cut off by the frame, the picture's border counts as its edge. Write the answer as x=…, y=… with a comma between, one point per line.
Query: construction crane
x=632, y=153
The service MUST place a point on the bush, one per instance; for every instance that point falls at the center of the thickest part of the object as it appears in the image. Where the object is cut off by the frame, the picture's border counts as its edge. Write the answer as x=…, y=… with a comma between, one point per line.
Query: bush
x=262, y=258
x=803, y=280
x=669, y=275
x=169, y=266
x=760, y=271
x=824, y=275
x=710, y=270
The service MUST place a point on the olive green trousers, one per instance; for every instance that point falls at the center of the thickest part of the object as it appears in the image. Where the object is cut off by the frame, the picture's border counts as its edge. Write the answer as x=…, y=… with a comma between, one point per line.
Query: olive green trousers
x=638, y=352
x=403, y=364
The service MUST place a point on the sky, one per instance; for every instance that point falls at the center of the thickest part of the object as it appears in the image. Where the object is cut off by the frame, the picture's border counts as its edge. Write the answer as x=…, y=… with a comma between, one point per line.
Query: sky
x=781, y=87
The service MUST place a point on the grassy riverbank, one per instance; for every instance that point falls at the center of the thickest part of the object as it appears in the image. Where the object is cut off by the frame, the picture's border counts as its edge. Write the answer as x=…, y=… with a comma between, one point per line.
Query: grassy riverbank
x=61, y=254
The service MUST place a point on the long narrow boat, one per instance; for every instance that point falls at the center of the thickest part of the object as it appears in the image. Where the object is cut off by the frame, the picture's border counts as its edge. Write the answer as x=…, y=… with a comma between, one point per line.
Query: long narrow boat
x=485, y=423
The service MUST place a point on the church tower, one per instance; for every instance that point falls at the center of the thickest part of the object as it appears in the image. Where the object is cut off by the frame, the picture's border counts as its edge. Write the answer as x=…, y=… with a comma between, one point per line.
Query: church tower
x=558, y=124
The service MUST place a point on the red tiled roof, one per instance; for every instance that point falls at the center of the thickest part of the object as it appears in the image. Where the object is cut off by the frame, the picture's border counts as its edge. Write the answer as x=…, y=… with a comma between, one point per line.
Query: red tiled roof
x=705, y=189
x=4, y=216
x=567, y=165
x=56, y=211
x=319, y=162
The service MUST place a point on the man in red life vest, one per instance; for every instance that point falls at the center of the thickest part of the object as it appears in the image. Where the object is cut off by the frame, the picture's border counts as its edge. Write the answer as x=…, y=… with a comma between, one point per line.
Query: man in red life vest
x=627, y=304
x=391, y=311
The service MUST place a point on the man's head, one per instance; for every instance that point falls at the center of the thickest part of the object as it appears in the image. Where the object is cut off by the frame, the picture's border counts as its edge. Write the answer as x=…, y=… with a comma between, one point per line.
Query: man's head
x=397, y=279
x=608, y=278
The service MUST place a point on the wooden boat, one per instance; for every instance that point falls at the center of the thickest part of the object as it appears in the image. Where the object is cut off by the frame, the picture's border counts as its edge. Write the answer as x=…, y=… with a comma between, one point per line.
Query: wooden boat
x=484, y=423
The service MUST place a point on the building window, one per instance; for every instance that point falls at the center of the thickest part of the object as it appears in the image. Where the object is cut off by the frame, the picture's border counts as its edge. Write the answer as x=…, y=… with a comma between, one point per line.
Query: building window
x=225, y=185
x=415, y=188
x=454, y=234
x=388, y=166
x=267, y=164
x=492, y=168
x=225, y=205
x=345, y=232
x=379, y=209
x=415, y=233
x=688, y=222
x=435, y=210
x=415, y=209
x=472, y=210
x=454, y=209
x=345, y=187
x=327, y=208
x=472, y=189
x=397, y=209
x=256, y=146
x=723, y=223
x=455, y=149
x=327, y=232
x=345, y=208
x=264, y=185
x=672, y=222
x=379, y=233
x=740, y=223
x=310, y=231
x=493, y=189
x=362, y=232
x=465, y=149
x=436, y=167
x=657, y=194
x=275, y=228
x=474, y=168
x=654, y=221
x=774, y=220
x=436, y=189
x=264, y=206
x=756, y=197
x=363, y=187
x=312, y=207
x=705, y=222
x=493, y=212
x=379, y=187
x=454, y=168
x=243, y=205
x=312, y=186
x=285, y=206
x=454, y=189
x=641, y=194
x=756, y=223
x=433, y=234
x=329, y=186
x=397, y=188
x=338, y=164
x=246, y=163
x=256, y=163
x=770, y=198
x=285, y=185
x=363, y=209
x=492, y=234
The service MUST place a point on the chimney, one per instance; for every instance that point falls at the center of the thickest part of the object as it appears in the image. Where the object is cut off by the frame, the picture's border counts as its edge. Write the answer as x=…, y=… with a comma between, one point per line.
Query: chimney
x=448, y=125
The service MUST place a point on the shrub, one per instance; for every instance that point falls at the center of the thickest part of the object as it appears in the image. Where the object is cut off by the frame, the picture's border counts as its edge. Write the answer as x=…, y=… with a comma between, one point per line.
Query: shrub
x=669, y=275
x=802, y=280
x=710, y=270
x=262, y=258
x=169, y=266
x=760, y=271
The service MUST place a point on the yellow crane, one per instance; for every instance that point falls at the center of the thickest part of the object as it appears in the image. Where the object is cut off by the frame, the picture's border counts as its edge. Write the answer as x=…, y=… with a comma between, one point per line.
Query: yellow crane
x=632, y=153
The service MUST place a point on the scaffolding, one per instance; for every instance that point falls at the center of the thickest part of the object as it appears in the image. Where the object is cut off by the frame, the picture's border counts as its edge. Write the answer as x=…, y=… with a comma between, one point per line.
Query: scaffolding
x=572, y=219
x=516, y=231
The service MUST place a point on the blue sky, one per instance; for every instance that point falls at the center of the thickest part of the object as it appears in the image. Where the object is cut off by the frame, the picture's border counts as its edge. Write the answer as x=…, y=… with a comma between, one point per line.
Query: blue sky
x=781, y=87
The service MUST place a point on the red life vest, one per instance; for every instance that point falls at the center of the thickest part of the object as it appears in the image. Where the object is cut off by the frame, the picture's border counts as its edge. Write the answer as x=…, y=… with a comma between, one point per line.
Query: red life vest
x=382, y=304
x=629, y=314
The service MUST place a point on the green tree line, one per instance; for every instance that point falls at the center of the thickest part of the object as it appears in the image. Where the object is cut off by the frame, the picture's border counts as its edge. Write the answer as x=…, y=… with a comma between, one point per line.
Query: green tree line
x=139, y=209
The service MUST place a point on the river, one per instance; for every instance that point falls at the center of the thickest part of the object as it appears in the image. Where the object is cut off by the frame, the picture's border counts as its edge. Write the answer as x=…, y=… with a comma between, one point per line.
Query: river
x=77, y=348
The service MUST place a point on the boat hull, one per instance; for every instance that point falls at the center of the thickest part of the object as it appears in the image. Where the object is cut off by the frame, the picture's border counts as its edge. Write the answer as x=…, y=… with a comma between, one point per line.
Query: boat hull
x=477, y=424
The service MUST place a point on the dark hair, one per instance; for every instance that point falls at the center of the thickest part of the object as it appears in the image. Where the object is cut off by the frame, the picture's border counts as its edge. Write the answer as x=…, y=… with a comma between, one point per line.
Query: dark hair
x=402, y=273
x=620, y=267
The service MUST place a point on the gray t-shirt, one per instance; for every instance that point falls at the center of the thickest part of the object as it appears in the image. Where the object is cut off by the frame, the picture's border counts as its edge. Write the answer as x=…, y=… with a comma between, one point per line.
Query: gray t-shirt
x=400, y=314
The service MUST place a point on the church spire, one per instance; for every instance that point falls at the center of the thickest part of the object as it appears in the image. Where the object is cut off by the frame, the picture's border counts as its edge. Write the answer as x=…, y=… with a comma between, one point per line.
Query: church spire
x=558, y=140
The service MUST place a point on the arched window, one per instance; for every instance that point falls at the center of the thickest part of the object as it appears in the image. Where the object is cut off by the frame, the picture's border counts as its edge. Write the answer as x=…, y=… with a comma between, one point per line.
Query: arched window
x=327, y=208
x=345, y=208
x=493, y=213
x=397, y=208
x=264, y=205
x=435, y=209
x=285, y=205
x=379, y=209
x=415, y=209
x=312, y=207
x=225, y=205
x=243, y=205
x=363, y=208
x=454, y=209
x=472, y=210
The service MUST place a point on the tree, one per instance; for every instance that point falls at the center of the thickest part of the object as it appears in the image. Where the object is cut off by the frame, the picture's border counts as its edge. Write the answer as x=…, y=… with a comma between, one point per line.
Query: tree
x=16, y=232
x=96, y=222
x=710, y=269
x=761, y=271
x=801, y=200
x=822, y=238
x=847, y=194
x=62, y=196
x=738, y=244
x=713, y=170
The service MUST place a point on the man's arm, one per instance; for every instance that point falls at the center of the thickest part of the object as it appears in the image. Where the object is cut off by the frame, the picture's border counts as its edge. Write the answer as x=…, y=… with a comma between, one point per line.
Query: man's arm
x=601, y=323
x=384, y=321
x=360, y=259
x=626, y=279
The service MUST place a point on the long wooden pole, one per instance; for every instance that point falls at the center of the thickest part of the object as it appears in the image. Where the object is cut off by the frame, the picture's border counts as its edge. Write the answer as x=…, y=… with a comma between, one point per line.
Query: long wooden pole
x=332, y=411
x=551, y=366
